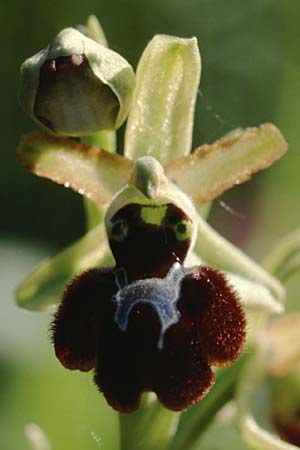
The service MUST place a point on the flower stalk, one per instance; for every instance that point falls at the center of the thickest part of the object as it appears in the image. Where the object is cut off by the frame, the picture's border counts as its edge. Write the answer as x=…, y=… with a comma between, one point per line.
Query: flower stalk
x=160, y=423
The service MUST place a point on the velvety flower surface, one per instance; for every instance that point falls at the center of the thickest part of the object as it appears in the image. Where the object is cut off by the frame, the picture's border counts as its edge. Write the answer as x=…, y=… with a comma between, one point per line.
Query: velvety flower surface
x=209, y=325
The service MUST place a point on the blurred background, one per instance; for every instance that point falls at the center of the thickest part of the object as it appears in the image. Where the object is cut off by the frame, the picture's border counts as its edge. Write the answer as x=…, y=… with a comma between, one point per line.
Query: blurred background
x=250, y=56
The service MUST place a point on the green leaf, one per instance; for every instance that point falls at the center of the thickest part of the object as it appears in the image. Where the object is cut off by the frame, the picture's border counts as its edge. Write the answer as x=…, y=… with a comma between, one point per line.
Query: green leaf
x=211, y=169
x=95, y=173
x=45, y=286
x=160, y=122
x=218, y=252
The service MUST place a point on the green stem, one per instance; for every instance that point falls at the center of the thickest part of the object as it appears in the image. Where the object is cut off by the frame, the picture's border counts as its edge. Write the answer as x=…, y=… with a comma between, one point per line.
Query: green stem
x=105, y=140
x=151, y=427
x=197, y=418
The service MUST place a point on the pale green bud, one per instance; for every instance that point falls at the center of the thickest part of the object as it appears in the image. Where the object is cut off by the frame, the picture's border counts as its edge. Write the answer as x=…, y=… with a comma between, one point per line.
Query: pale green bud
x=76, y=86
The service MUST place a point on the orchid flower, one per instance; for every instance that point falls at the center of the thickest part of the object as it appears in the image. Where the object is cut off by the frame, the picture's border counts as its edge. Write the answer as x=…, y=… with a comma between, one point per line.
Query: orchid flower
x=203, y=175
x=159, y=296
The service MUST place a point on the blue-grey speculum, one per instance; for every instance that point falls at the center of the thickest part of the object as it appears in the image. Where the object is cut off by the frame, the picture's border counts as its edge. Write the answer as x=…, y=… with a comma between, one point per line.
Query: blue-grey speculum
x=161, y=293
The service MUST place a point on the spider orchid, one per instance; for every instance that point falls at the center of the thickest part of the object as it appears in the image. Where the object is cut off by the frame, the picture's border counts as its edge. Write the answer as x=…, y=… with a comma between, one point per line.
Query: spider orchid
x=158, y=296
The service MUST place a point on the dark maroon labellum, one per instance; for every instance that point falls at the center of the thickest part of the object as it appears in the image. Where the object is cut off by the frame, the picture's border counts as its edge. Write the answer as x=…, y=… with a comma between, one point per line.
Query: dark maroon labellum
x=207, y=328
x=150, y=324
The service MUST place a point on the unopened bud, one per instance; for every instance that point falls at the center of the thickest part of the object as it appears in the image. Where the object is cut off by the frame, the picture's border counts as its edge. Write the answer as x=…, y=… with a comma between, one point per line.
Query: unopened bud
x=76, y=87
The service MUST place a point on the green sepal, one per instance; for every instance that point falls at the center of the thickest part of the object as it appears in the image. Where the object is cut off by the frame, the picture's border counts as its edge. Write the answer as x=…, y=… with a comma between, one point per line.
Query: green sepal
x=44, y=287
x=95, y=31
x=160, y=122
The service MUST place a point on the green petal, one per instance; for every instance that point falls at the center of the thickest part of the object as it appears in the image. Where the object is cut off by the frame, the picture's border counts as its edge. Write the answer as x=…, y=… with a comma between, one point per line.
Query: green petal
x=160, y=122
x=218, y=252
x=95, y=173
x=211, y=169
x=254, y=296
x=284, y=260
x=46, y=284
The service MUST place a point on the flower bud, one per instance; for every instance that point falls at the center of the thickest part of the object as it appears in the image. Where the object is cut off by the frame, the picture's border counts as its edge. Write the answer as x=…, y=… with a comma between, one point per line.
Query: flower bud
x=285, y=401
x=76, y=87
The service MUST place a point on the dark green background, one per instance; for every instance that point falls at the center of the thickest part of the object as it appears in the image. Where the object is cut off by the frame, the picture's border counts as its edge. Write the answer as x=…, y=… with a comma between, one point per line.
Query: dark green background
x=251, y=74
